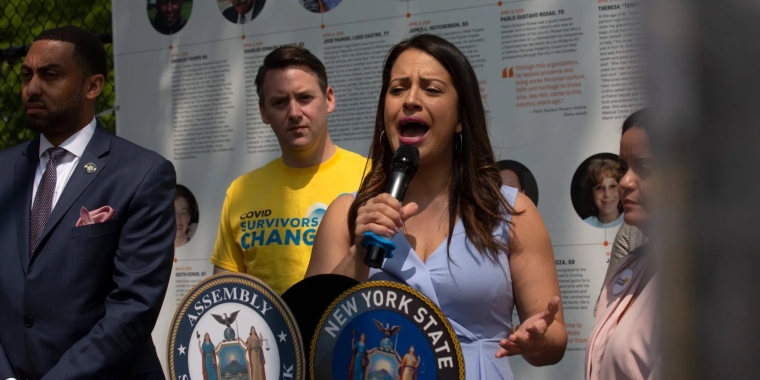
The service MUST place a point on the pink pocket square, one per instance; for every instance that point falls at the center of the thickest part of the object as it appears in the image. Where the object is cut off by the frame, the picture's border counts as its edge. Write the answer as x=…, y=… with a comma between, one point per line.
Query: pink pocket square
x=100, y=215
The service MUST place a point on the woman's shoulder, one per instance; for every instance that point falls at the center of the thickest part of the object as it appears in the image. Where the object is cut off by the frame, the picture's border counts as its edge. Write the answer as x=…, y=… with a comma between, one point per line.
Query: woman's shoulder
x=338, y=209
x=518, y=201
x=343, y=200
x=510, y=194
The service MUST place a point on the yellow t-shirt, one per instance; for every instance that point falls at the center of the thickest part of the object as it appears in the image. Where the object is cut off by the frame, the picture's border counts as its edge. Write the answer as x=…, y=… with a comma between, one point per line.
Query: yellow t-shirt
x=270, y=216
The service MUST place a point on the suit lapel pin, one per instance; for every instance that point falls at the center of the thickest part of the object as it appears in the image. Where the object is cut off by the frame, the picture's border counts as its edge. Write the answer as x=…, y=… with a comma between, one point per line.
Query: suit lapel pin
x=90, y=168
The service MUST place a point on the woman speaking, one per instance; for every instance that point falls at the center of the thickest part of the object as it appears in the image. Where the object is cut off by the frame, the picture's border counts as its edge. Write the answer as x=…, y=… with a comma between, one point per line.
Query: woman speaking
x=474, y=247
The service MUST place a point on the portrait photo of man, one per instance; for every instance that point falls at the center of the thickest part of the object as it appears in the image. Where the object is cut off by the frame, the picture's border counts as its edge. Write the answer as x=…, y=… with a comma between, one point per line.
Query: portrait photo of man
x=240, y=11
x=320, y=6
x=169, y=16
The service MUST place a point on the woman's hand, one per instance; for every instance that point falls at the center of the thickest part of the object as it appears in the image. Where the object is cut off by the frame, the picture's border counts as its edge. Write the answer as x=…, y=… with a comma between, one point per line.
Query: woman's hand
x=530, y=337
x=383, y=215
x=333, y=250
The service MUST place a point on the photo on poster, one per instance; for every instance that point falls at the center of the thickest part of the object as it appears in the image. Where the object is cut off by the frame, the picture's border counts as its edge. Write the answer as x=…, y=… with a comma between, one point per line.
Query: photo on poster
x=169, y=16
x=240, y=11
x=594, y=191
x=186, y=215
x=517, y=175
x=319, y=6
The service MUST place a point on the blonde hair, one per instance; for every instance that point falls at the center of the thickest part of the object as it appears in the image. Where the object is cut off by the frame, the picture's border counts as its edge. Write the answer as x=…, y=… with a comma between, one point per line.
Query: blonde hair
x=598, y=169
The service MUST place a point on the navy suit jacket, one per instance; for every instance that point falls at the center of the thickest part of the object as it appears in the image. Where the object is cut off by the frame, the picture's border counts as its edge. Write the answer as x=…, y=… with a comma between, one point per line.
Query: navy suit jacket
x=231, y=14
x=84, y=304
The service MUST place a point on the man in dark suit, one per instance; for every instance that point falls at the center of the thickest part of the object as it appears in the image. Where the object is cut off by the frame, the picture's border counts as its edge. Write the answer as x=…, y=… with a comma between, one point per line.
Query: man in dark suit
x=86, y=228
x=243, y=11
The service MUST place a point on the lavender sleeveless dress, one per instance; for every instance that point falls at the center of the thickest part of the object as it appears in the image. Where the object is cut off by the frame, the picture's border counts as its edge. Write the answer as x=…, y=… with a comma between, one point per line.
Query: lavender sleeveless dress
x=474, y=292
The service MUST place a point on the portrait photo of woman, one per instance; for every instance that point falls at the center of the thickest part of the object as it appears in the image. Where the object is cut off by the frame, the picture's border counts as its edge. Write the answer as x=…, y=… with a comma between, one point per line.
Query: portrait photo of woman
x=186, y=215
x=594, y=191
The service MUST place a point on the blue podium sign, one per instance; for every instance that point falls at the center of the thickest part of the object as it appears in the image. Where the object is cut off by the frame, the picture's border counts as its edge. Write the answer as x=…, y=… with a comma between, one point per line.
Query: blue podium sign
x=381, y=330
x=233, y=326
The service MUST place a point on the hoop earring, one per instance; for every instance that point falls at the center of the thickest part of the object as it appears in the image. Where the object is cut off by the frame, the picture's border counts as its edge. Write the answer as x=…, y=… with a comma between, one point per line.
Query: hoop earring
x=459, y=147
x=382, y=133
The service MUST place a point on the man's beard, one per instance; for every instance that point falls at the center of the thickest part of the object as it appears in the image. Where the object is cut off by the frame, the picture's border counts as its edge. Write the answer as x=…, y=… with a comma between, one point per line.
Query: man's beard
x=58, y=119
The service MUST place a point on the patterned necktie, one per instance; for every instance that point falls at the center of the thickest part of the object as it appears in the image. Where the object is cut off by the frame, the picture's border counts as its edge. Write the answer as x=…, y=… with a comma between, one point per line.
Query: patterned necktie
x=242, y=19
x=43, y=200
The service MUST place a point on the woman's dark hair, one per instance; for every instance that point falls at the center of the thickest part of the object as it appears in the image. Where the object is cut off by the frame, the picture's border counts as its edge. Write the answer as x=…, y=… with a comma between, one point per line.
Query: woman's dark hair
x=192, y=204
x=475, y=183
x=639, y=119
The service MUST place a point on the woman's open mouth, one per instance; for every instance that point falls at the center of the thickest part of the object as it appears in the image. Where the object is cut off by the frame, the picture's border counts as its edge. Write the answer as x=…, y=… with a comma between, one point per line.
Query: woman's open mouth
x=412, y=130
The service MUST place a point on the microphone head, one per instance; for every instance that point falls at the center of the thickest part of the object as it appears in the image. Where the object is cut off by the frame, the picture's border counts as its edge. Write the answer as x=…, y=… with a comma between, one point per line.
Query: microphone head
x=406, y=159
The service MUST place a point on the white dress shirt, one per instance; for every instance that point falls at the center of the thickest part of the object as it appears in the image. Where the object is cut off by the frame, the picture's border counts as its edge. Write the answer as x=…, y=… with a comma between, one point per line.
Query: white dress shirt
x=74, y=146
x=248, y=15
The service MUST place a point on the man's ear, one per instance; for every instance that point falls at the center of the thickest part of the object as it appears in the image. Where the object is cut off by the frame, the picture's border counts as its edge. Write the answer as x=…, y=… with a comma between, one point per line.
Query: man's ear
x=93, y=86
x=330, y=97
x=264, y=117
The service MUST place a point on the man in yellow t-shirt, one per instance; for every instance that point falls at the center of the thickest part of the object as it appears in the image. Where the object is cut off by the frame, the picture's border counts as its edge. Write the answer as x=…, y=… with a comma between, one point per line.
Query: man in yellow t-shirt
x=270, y=215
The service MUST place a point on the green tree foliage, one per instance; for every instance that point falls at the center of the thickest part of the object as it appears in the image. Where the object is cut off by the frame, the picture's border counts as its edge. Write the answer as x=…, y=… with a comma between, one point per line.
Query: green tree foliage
x=20, y=22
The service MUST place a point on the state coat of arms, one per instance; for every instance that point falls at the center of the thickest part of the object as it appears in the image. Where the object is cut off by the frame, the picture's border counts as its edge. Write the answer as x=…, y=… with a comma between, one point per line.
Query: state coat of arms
x=381, y=330
x=233, y=326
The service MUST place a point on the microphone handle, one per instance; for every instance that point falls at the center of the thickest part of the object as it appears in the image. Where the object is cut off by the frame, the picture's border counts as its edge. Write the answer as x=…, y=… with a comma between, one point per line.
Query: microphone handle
x=397, y=183
x=374, y=256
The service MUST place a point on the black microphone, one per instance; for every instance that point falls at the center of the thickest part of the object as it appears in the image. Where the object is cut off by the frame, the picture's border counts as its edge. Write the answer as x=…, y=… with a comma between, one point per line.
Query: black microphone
x=403, y=168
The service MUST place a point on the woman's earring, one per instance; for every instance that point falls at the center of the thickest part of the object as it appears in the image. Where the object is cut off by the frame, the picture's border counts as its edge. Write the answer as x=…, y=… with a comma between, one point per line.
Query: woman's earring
x=458, y=147
x=382, y=133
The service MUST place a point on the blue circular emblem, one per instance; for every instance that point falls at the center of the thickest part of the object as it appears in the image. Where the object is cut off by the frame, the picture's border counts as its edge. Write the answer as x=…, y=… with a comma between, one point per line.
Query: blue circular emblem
x=382, y=330
x=233, y=326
